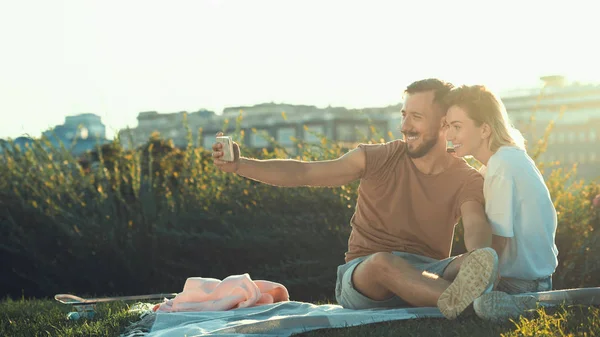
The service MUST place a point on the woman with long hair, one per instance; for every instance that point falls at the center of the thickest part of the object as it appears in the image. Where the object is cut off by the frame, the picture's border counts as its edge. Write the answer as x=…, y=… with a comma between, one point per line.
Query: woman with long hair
x=517, y=201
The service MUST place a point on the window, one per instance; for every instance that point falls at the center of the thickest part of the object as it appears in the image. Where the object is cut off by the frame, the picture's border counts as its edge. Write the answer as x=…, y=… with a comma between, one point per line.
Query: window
x=260, y=138
x=572, y=137
x=582, y=137
x=592, y=135
x=362, y=132
x=284, y=135
x=344, y=133
x=592, y=157
x=313, y=133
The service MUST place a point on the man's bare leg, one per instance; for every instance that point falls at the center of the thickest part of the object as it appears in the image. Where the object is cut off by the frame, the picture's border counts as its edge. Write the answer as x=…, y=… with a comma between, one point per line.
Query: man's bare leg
x=384, y=275
x=453, y=267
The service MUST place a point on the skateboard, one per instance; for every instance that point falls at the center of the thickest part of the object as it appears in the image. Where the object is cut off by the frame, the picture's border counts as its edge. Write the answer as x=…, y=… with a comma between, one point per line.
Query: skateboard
x=86, y=307
x=581, y=296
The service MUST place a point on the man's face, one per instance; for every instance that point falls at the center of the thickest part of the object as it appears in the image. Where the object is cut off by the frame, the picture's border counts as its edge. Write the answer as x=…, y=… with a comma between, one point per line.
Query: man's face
x=421, y=123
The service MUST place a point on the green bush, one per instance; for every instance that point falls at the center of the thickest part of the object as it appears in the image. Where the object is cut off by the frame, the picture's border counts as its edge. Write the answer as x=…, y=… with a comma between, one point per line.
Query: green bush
x=137, y=221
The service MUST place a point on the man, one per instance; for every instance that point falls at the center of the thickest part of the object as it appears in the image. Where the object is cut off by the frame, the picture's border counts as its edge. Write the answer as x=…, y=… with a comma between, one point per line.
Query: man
x=411, y=194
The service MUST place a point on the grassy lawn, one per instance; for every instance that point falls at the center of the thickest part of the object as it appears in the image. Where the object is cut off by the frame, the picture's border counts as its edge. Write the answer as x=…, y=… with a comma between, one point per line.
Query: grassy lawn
x=48, y=318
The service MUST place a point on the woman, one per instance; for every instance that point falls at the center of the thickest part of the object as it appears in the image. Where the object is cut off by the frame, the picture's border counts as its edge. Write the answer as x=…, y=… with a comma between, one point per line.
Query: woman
x=518, y=203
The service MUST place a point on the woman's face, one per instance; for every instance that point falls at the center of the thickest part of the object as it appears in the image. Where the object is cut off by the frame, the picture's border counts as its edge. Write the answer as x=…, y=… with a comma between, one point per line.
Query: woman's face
x=466, y=137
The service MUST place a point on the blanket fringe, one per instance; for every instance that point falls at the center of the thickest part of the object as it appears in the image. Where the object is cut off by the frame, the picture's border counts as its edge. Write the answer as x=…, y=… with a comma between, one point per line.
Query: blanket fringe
x=142, y=327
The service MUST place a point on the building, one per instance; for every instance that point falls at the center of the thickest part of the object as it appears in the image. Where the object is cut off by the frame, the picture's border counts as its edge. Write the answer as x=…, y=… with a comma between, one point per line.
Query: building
x=79, y=133
x=262, y=123
x=574, y=110
x=169, y=125
x=22, y=143
x=285, y=123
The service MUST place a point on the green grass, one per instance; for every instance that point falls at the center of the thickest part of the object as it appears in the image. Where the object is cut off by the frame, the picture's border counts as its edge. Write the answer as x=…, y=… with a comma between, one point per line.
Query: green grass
x=34, y=318
x=48, y=318
x=561, y=321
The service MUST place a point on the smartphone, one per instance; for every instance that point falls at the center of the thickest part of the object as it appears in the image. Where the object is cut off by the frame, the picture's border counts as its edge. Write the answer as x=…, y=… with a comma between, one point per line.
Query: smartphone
x=227, y=147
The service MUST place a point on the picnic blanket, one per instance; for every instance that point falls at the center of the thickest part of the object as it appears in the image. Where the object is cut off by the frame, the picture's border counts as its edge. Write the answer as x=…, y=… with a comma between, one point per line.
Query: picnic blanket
x=287, y=318
x=278, y=319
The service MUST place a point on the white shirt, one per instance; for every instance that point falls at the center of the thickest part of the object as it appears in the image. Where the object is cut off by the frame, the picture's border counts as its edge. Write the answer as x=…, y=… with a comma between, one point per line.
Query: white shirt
x=519, y=207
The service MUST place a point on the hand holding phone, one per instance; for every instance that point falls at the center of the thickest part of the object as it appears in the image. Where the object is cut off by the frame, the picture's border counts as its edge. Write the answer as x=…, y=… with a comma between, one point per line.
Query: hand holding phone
x=226, y=147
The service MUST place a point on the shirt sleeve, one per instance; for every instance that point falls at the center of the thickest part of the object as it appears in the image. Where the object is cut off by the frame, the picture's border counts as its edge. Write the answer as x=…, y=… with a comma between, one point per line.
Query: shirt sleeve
x=378, y=156
x=500, y=205
x=472, y=190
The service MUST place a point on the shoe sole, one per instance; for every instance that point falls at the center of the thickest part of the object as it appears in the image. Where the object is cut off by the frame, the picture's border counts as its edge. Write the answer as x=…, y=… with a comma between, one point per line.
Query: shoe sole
x=475, y=275
x=498, y=305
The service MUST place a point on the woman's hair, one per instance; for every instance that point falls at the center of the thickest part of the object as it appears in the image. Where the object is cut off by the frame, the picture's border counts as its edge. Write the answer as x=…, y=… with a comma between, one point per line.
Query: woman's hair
x=482, y=106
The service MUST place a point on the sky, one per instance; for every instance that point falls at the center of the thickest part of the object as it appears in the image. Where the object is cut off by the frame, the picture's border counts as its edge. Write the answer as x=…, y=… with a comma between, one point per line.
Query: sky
x=118, y=58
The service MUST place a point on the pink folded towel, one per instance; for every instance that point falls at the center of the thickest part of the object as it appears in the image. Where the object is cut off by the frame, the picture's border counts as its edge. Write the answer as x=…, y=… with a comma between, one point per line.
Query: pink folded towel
x=236, y=291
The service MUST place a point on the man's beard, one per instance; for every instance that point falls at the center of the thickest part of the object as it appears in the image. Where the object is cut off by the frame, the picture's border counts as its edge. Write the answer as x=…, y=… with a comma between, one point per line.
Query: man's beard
x=426, y=145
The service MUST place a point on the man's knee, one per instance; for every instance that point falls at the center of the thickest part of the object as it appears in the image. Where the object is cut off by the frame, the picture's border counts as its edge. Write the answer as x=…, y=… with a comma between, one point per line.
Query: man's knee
x=379, y=259
x=380, y=264
x=369, y=276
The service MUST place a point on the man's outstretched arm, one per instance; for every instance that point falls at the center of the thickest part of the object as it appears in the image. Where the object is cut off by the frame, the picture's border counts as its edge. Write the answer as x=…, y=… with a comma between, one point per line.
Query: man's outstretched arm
x=478, y=232
x=293, y=173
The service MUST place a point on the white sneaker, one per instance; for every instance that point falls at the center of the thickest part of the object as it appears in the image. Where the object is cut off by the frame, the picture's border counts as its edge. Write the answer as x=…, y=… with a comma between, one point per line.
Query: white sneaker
x=475, y=277
x=498, y=305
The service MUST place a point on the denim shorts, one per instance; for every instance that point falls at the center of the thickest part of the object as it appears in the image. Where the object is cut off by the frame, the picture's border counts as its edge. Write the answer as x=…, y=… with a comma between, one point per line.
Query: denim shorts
x=348, y=297
x=518, y=286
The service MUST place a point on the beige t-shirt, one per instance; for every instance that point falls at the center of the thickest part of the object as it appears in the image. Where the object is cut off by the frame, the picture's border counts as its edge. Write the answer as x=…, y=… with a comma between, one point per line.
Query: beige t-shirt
x=402, y=209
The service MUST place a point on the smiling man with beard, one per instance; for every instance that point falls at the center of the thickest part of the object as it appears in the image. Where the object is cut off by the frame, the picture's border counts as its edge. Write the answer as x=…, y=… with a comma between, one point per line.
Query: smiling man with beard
x=412, y=193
